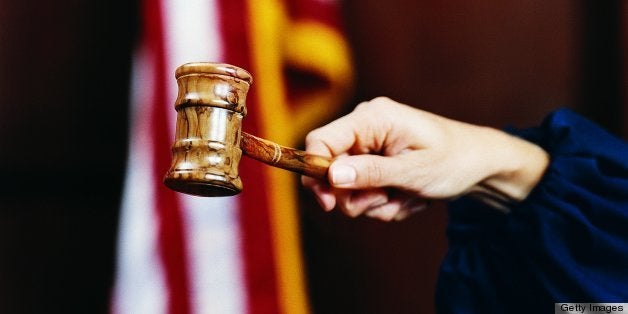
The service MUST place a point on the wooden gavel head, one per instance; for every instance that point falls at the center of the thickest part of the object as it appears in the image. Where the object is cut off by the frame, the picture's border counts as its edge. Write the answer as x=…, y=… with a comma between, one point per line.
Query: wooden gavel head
x=209, y=141
x=210, y=105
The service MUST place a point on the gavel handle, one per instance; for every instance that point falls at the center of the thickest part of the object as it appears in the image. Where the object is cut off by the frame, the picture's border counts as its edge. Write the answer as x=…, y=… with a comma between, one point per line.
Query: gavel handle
x=283, y=157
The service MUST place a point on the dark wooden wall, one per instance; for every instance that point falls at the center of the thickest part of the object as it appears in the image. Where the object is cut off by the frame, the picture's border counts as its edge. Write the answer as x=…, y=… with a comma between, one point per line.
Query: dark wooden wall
x=63, y=113
x=63, y=120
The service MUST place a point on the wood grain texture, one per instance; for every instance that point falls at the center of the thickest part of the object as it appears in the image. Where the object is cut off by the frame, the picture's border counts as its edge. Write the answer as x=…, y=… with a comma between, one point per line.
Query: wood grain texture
x=209, y=141
x=283, y=157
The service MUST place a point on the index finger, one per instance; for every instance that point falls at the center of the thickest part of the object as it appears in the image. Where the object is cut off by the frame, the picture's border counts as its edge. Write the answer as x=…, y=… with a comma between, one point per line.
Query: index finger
x=331, y=140
x=361, y=129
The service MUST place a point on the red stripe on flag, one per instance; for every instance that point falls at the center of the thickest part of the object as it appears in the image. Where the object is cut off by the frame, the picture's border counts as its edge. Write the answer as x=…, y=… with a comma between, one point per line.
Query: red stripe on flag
x=170, y=226
x=257, y=249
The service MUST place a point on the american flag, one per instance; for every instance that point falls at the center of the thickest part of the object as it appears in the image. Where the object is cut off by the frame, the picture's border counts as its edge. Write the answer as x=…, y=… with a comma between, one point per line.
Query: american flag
x=185, y=254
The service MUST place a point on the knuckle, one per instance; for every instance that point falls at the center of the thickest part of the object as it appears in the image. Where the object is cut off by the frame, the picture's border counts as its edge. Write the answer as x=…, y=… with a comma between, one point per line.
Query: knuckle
x=312, y=137
x=361, y=107
x=375, y=175
x=374, y=104
x=376, y=113
x=381, y=100
x=316, y=143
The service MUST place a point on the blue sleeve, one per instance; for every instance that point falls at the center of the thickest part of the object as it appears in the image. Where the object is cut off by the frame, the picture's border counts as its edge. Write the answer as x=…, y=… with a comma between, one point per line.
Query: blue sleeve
x=566, y=242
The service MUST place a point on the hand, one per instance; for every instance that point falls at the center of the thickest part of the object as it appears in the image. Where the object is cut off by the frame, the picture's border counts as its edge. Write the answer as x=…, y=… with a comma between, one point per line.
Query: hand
x=391, y=158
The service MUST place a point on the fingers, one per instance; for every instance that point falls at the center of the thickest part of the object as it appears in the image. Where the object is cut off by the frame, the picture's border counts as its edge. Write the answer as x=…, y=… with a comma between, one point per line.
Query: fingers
x=364, y=129
x=411, y=207
x=367, y=145
x=355, y=202
x=322, y=192
x=386, y=212
x=378, y=203
x=327, y=141
x=382, y=205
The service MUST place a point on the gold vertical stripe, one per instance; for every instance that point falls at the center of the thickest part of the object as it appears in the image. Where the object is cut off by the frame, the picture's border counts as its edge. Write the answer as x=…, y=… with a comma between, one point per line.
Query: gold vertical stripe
x=320, y=49
x=267, y=19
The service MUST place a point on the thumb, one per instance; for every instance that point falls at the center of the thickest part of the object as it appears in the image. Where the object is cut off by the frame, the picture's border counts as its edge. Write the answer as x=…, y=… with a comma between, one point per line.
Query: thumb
x=366, y=171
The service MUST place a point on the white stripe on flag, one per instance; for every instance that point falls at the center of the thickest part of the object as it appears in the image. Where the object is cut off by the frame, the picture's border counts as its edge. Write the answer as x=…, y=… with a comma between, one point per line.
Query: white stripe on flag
x=215, y=265
x=210, y=224
x=139, y=282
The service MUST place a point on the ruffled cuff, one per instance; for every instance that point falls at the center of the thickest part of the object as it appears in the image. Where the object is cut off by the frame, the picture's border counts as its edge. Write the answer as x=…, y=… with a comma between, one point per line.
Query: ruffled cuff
x=574, y=224
x=588, y=166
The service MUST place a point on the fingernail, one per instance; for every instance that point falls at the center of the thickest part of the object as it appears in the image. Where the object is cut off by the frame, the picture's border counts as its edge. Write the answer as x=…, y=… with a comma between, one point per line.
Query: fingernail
x=343, y=175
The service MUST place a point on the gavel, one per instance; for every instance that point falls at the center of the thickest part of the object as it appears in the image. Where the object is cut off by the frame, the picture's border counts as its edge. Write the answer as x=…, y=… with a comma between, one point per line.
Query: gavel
x=209, y=141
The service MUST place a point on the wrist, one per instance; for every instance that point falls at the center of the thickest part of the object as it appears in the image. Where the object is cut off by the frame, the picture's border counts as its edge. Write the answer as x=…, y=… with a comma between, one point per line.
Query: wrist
x=517, y=166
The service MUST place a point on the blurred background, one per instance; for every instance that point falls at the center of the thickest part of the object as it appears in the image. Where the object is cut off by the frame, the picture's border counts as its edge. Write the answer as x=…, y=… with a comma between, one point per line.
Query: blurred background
x=64, y=112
